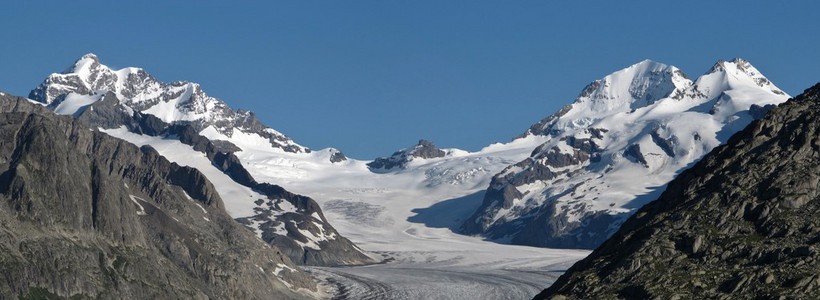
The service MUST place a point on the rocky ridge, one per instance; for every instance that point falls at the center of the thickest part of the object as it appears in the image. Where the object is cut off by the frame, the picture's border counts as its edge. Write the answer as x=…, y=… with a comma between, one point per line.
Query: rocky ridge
x=87, y=81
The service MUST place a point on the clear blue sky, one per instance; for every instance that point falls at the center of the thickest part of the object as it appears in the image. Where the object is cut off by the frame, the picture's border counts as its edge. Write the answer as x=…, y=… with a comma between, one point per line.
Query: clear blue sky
x=369, y=77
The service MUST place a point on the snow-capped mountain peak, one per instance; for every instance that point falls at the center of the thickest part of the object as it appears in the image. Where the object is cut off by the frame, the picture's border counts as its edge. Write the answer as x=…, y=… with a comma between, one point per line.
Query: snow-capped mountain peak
x=85, y=62
x=625, y=90
x=87, y=80
x=615, y=147
x=731, y=74
x=637, y=85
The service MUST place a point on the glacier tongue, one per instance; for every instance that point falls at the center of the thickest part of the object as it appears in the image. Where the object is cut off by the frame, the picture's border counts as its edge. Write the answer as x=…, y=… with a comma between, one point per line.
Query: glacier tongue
x=615, y=148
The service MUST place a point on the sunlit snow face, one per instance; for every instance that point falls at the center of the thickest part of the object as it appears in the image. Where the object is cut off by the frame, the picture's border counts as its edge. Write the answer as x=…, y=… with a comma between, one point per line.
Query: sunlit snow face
x=637, y=135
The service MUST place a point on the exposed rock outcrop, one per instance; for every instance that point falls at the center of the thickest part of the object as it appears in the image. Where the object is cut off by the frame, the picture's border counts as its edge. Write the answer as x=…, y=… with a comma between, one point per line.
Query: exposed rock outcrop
x=424, y=149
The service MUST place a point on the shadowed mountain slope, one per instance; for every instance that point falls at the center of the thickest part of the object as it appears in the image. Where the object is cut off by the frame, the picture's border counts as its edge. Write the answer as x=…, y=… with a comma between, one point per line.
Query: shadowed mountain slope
x=83, y=214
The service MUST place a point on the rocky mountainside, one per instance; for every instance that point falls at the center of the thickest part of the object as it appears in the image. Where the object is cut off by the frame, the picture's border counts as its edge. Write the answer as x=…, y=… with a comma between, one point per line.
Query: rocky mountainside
x=740, y=224
x=86, y=215
x=132, y=105
x=615, y=148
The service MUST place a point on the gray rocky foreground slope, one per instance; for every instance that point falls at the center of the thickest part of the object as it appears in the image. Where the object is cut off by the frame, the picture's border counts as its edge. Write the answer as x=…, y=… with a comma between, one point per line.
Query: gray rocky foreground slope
x=740, y=224
x=86, y=215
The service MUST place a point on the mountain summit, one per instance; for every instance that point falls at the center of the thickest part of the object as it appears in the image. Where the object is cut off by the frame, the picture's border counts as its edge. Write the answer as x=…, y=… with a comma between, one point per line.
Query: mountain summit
x=88, y=81
x=615, y=148
x=636, y=86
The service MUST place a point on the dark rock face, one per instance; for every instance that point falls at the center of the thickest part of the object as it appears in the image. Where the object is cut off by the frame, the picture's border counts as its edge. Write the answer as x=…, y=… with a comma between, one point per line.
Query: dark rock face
x=634, y=152
x=399, y=159
x=758, y=111
x=555, y=230
x=666, y=144
x=740, y=224
x=188, y=135
x=426, y=149
x=83, y=214
x=337, y=156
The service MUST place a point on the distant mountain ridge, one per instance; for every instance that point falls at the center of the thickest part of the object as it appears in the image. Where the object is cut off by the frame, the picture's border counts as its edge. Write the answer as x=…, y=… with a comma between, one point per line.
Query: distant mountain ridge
x=614, y=149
